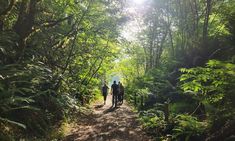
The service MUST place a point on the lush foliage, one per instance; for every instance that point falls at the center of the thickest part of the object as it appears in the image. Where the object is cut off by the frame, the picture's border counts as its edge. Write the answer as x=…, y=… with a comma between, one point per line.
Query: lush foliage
x=210, y=83
x=53, y=57
x=178, y=72
x=187, y=53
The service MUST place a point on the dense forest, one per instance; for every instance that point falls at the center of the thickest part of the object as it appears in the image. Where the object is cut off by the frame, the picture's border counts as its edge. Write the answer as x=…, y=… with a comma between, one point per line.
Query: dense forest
x=176, y=60
x=180, y=70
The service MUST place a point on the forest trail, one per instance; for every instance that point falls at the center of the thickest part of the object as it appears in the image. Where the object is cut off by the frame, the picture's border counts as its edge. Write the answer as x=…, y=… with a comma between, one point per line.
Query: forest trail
x=108, y=124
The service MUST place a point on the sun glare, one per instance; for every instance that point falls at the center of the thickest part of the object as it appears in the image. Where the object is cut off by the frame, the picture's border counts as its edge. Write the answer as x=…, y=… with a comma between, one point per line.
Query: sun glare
x=138, y=1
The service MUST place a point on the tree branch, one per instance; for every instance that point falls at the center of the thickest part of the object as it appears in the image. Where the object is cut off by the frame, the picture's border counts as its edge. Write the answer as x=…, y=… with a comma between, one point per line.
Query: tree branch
x=7, y=10
x=54, y=23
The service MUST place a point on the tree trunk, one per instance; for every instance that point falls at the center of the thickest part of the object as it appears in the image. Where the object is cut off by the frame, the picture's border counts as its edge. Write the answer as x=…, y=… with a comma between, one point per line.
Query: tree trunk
x=24, y=24
x=206, y=21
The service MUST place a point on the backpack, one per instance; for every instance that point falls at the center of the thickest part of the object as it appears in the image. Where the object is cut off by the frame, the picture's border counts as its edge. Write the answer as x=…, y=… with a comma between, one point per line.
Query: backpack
x=115, y=88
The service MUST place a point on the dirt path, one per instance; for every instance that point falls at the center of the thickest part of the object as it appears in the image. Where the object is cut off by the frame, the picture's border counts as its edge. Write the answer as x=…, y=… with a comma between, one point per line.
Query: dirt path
x=108, y=124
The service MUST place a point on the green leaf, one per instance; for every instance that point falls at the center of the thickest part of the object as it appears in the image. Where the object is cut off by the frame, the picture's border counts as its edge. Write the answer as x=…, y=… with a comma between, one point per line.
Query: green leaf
x=13, y=122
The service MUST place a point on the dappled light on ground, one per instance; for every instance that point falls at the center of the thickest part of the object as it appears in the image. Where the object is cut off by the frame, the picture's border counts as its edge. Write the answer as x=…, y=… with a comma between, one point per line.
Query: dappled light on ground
x=107, y=123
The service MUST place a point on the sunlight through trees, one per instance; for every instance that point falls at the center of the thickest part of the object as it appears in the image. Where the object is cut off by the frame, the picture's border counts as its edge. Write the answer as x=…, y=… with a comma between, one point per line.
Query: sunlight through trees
x=176, y=59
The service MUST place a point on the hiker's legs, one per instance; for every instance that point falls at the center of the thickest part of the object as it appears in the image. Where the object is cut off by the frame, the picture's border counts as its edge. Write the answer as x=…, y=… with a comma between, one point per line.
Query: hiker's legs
x=105, y=96
x=113, y=98
x=116, y=100
x=121, y=98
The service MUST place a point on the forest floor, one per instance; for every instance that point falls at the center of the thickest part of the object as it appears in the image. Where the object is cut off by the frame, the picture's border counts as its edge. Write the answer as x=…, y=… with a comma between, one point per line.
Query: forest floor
x=108, y=124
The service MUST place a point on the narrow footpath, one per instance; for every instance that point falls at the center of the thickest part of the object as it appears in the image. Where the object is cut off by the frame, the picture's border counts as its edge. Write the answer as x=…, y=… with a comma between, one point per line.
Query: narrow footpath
x=108, y=124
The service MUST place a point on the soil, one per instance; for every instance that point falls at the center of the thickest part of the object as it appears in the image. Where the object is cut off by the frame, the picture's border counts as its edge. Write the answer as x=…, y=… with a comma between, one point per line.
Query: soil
x=107, y=123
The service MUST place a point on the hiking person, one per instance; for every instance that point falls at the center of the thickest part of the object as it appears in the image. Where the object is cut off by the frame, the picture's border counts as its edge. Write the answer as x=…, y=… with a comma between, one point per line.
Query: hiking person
x=114, y=92
x=119, y=96
x=105, y=92
x=121, y=92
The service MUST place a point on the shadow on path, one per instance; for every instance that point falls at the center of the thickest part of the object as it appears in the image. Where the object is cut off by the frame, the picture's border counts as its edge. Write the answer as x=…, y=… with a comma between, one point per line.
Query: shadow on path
x=109, y=124
x=99, y=106
x=110, y=109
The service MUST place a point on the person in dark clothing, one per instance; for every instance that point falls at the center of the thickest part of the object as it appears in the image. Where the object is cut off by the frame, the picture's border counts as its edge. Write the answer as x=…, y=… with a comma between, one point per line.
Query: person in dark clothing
x=114, y=90
x=105, y=92
x=121, y=92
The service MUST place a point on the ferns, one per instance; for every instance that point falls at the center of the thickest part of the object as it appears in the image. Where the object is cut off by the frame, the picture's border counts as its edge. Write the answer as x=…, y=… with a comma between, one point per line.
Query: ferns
x=212, y=84
x=12, y=122
x=28, y=100
x=187, y=126
x=207, y=101
x=21, y=85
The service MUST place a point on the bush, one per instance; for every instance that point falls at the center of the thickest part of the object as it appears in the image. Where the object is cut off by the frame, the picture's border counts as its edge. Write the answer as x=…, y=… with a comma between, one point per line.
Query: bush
x=182, y=107
x=214, y=86
x=188, y=128
x=28, y=102
x=153, y=121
